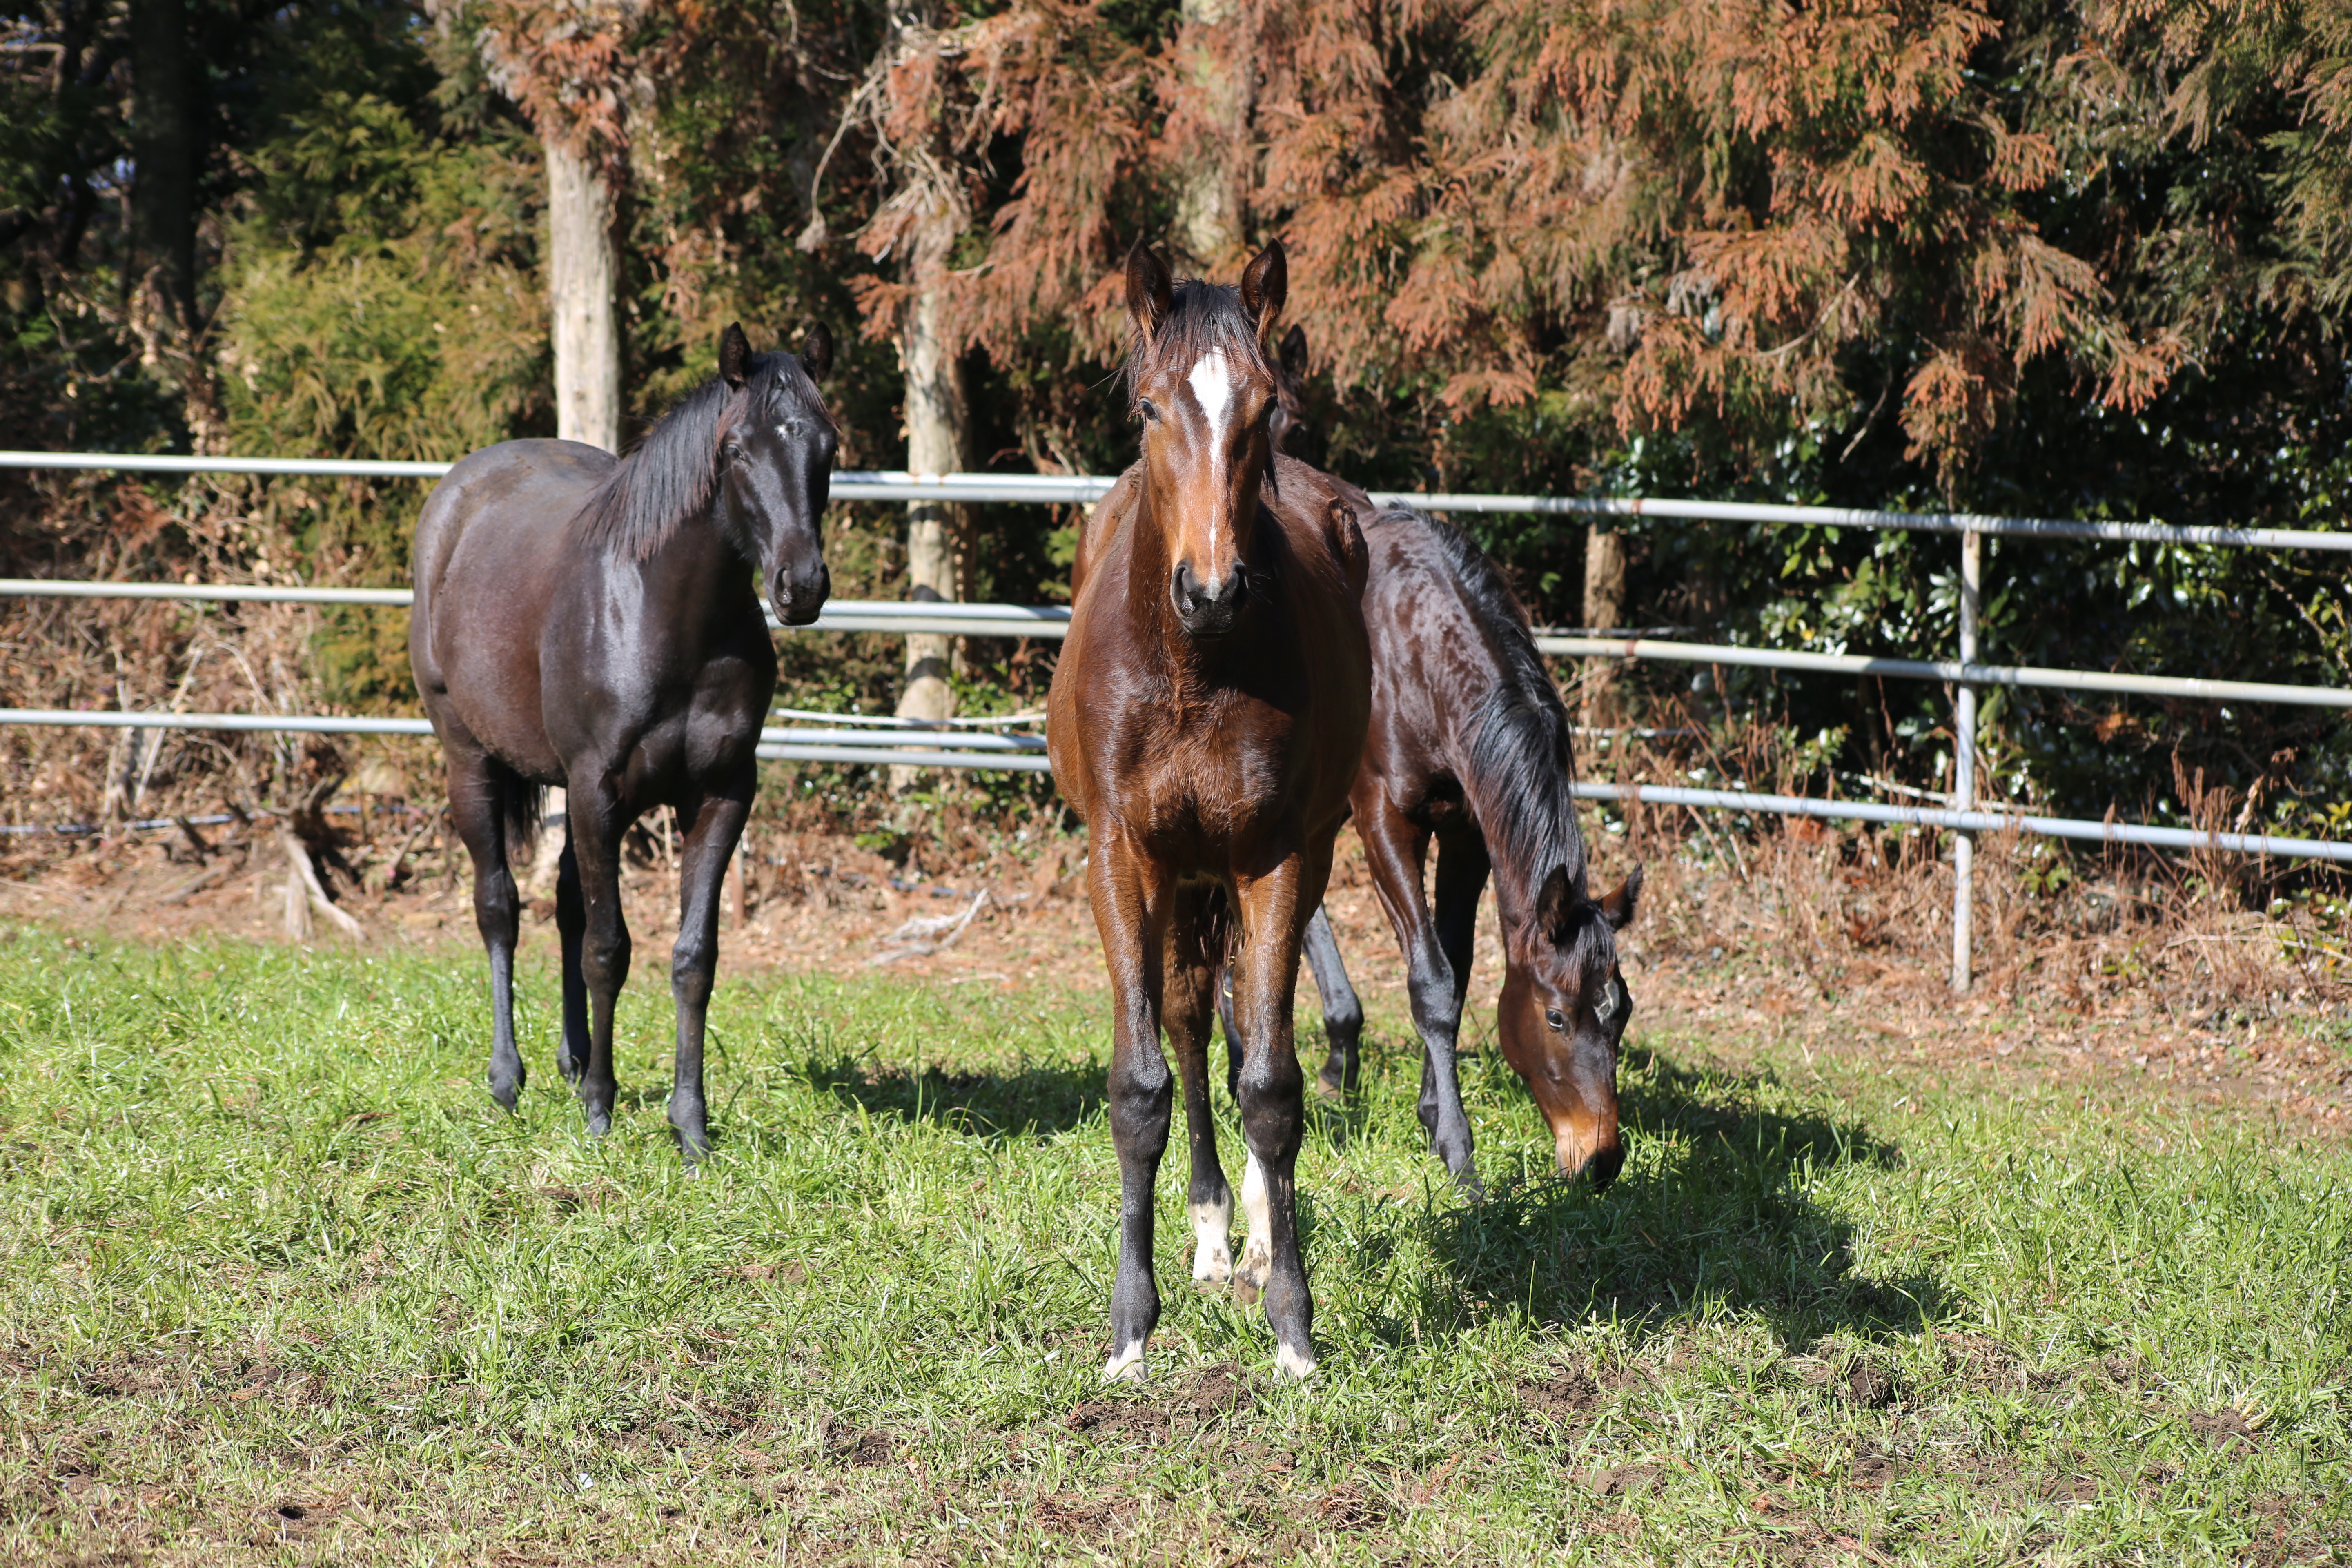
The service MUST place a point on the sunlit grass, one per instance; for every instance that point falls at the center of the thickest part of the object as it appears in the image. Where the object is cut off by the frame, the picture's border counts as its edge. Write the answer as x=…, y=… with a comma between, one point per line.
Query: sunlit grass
x=278, y=1282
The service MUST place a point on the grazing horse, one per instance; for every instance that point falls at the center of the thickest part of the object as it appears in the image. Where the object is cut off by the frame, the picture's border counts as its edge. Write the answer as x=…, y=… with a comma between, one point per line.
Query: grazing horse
x=591, y=622
x=1206, y=718
x=1469, y=745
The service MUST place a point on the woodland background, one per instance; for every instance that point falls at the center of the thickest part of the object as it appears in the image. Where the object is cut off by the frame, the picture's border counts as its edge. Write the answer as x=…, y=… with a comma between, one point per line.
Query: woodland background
x=2063, y=259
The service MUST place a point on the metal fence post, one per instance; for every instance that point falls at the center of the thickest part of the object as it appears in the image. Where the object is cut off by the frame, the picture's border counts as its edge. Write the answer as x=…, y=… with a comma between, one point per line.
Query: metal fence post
x=1963, y=763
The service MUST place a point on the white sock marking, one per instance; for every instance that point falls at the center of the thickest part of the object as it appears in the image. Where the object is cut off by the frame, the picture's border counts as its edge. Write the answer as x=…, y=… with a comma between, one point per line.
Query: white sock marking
x=1292, y=1363
x=1257, y=1253
x=1213, y=1227
x=1124, y=1366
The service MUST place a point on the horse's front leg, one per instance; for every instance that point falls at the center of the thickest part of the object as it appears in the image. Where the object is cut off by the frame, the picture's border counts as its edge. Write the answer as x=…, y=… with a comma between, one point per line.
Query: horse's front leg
x=1129, y=891
x=598, y=816
x=1191, y=972
x=1271, y=916
x=715, y=823
x=1393, y=850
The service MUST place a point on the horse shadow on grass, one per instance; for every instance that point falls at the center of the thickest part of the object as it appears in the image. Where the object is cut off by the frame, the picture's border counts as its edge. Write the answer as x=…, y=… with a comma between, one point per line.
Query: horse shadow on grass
x=1031, y=1102
x=1712, y=1216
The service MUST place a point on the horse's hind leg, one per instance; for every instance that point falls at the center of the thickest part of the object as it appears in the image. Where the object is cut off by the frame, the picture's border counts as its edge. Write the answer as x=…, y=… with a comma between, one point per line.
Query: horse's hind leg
x=716, y=824
x=1192, y=969
x=572, y=925
x=477, y=791
x=1343, y=1014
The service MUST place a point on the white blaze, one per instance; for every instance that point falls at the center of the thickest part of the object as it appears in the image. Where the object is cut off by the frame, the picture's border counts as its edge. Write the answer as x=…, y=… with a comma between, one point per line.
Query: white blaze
x=1212, y=388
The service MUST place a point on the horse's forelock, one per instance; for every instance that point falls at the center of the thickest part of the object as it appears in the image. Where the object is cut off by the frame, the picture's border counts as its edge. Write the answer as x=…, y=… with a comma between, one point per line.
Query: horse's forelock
x=1200, y=318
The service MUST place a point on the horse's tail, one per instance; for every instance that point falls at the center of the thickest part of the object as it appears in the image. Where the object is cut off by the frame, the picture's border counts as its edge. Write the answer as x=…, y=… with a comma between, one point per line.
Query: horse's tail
x=521, y=803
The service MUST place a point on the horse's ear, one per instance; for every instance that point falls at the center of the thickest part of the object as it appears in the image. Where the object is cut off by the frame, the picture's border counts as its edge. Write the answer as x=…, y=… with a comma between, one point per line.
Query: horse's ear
x=1150, y=290
x=1553, y=902
x=734, y=356
x=1265, y=282
x=1294, y=352
x=816, y=351
x=1617, y=906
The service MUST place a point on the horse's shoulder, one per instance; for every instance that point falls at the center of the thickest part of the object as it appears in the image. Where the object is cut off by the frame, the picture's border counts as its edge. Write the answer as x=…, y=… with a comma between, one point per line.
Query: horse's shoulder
x=1100, y=526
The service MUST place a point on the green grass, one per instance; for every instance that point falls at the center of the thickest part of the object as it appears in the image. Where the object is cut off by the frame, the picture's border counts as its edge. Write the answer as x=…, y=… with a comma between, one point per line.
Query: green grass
x=266, y=1249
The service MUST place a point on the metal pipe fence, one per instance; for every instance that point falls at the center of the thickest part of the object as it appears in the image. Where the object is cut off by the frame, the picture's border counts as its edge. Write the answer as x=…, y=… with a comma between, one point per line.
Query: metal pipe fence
x=937, y=748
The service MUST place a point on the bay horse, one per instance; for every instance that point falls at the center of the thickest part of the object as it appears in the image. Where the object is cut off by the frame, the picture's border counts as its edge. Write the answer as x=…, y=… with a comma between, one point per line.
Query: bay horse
x=592, y=622
x=1205, y=721
x=1470, y=745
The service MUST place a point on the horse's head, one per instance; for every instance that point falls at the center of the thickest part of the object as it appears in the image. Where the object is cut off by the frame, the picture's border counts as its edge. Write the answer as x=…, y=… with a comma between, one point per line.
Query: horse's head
x=776, y=443
x=1563, y=1010
x=1201, y=379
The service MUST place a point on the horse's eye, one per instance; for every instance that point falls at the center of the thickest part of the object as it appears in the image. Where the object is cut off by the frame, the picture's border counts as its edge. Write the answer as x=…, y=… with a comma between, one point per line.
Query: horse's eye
x=1150, y=409
x=1555, y=1018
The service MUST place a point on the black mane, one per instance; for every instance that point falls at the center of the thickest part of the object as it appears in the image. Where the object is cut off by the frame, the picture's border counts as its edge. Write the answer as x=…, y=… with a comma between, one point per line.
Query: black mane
x=1513, y=750
x=1201, y=316
x=673, y=473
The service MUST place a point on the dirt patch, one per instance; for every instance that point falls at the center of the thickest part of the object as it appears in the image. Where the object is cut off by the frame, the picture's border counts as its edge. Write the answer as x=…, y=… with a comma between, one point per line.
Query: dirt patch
x=1872, y=1468
x=1348, y=1508
x=2226, y=1430
x=1210, y=1396
x=1620, y=1480
x=1077, y=1516
x=861, y=1449
x=1868, y=1386
x=1568, y=1400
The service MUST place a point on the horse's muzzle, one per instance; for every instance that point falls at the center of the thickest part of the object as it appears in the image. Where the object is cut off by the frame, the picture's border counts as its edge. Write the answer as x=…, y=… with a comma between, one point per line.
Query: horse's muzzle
x=1206, y=610
x=1597, y=1155
x=797, y=598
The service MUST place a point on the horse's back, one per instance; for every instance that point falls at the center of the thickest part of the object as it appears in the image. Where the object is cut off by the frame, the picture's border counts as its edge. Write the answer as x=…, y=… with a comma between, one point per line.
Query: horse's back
x=491, y=547
x=1445, y=631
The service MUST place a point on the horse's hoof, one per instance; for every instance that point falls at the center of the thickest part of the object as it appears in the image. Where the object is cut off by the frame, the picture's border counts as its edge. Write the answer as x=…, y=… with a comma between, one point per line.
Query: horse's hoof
x=1293, y=1365
x=1329, y=1088
x=571, y=1067
x=506, y=1092
x=693, y=1143
x=600, y=1122
x=1126, y=1366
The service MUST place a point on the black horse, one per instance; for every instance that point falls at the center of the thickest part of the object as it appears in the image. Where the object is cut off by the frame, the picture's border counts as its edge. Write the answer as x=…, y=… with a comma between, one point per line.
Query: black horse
x=591, y=622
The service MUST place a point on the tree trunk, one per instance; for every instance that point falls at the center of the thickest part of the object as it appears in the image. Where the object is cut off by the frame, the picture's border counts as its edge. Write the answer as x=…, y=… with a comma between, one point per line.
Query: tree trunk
x=166, y=155
x=1208, y=205
x=1605, y=610
x=583, y=273
x=935, y=530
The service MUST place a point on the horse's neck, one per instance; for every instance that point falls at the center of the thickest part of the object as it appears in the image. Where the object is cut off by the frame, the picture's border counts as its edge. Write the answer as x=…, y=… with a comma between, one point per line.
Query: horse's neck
x=695, y=554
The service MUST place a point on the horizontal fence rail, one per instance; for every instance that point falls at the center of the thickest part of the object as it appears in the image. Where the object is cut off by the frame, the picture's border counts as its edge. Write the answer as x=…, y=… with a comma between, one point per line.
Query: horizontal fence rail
x=1947, y=670
x=1965, y=821
x=1083, y=490
x=1052, y=622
